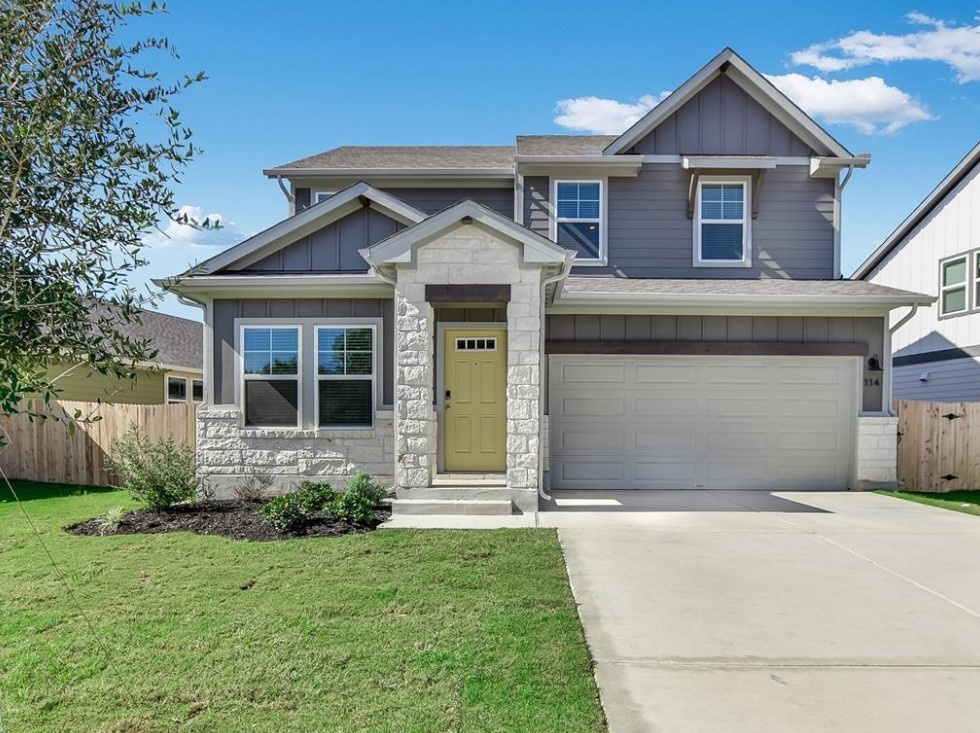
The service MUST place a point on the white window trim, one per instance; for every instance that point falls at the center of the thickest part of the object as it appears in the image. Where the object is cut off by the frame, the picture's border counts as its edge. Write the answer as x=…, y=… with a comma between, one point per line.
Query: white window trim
x=603, y=219
x=345, y=377
x=971, y=276
x=243, y=377
x=746, y=222
x=317, y=194
x=166, y=390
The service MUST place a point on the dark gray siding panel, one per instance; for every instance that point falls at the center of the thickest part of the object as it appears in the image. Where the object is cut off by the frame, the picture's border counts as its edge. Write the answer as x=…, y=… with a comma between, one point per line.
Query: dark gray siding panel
x=650, y=235
x=226, y=311
x=334, y=248
x=721, y=120
x=734, y=329
x=431, y=200
x=536, y=195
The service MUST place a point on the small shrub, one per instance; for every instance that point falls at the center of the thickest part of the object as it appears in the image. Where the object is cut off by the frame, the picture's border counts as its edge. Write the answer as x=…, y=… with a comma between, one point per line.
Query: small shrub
x=111, y=520
x=156, y=474
x=254, y=487
x=316, y=495
x=366, y=485
x=286, y=513
x=357, y=503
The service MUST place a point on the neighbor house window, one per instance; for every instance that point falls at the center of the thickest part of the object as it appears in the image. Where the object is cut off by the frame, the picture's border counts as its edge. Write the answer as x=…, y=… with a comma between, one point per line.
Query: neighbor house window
x=953, y=296
x=197, y=390
x=722, y=236
x=345, y=376
x=976, y=279
x=270, y=376
x=578, y=220
x=176, y=389
x=321, y=196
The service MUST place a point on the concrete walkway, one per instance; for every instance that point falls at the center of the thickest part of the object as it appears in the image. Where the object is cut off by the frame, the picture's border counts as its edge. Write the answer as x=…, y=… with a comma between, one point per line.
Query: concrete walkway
x=723, y=612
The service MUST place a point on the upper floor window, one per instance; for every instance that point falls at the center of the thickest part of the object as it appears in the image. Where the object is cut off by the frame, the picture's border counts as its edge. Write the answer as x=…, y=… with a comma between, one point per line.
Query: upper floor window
x=271, y=376
x=578, y=219
x=321, y=196
x=722, y=227
x=953, y=296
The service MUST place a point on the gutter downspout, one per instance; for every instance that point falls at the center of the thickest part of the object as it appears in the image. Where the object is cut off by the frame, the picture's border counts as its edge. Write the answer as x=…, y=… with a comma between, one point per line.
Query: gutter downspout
x=290, y=198
x=891, y=330
x=565, y=270
x=838, y=204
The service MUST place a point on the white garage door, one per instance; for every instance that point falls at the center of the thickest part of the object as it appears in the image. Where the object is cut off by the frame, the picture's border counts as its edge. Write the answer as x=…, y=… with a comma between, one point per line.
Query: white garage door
x=661, y=422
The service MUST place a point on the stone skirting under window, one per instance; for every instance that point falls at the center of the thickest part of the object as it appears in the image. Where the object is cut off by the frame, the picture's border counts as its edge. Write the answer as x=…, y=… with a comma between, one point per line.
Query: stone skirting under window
x=227, y=452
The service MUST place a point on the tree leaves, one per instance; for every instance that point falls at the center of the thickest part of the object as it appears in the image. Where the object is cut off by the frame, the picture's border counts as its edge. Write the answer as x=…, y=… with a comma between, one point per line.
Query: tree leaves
x=90, y=145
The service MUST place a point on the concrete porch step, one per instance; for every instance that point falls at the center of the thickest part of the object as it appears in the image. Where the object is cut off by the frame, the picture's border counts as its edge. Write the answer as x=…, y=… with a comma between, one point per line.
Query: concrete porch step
x=469, y=479
x=451, y=506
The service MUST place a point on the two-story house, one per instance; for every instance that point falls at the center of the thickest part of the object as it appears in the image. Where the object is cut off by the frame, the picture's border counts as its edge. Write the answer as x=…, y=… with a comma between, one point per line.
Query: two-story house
x=658, y=309
x=936, y=250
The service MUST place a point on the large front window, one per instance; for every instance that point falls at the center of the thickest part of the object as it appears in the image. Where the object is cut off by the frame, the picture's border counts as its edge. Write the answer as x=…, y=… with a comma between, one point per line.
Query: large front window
x=722, y=226
x=271, y=376
x=345, y=376
x=578, y=219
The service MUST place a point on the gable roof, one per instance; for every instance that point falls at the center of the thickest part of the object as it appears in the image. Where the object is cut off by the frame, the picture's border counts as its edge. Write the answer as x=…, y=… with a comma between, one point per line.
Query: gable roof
x=179, y=342
x=898, y=237
x=306, y=222
x=399, y=247
x=401, y=157
x=756, y=85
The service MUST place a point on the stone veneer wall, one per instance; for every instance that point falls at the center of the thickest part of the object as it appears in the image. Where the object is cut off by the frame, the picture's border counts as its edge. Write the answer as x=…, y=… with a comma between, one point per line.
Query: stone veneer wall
x=227, y=452
x=466, y=255
x=877, y=452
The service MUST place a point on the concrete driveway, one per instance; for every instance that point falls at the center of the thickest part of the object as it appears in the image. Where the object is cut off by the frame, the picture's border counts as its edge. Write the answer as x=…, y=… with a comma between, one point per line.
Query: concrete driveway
x=730, y=611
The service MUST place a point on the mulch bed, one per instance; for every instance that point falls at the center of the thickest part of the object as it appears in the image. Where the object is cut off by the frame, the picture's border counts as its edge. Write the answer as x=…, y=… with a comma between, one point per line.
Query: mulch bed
x=233, y=518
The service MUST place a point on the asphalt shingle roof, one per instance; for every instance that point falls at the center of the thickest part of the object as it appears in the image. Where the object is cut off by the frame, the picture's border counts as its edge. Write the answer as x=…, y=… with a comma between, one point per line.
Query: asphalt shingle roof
x=410, y=156
x=728, y=286
x=562, y=144
x=179, y=341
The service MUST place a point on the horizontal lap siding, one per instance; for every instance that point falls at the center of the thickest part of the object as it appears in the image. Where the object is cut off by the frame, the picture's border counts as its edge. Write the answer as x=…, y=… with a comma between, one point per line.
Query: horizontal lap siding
x=785, y=329
x=431, y=200
x=650, y=234
x=226, y=311
x=956, y=380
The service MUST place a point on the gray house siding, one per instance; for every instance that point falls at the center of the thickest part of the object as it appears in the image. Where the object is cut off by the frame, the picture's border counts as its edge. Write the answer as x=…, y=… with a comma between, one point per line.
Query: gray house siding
x=226, y=311
x=735, y=329
x=650, y=235
x=432, y=200
x=956, y=380
x=334, y=248
x=721, y=120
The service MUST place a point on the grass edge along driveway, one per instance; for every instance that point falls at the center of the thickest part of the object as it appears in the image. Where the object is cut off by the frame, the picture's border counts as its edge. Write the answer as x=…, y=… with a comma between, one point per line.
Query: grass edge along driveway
x=967, y=502
x=396, y=630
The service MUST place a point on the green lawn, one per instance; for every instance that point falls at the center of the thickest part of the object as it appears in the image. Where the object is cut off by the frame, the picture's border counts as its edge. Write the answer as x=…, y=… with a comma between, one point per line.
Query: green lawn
x=958, y=501
x=387, y=631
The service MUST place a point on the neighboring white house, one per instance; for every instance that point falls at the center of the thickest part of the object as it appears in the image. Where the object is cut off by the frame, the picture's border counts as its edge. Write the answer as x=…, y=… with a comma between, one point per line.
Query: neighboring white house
x=936, y=250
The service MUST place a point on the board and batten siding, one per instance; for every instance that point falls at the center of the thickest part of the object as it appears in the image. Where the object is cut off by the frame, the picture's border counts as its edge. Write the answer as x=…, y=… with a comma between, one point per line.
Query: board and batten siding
x=428, y=199
x=734, y=329
x=225, y=311
x=334, y=248
x=722, y=119
x=953, y=227
x=650, y=234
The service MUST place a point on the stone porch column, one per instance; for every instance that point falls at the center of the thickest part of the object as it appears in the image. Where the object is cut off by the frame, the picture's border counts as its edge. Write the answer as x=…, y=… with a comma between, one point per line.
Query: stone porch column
x=414, y=342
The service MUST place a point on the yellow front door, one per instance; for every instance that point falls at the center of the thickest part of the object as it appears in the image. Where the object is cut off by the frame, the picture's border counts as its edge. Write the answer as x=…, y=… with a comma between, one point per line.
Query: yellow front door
x=475, y=417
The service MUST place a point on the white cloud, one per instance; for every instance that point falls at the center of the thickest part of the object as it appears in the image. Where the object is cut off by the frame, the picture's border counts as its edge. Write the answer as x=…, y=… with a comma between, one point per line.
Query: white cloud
x=956, y=46
x=189, y=236
x=601, y=116
x=868, y=104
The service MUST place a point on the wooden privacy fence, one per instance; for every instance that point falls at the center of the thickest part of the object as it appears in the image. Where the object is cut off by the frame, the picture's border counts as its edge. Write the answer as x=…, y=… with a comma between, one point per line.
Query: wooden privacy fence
x=43, y=450
x=938, y=445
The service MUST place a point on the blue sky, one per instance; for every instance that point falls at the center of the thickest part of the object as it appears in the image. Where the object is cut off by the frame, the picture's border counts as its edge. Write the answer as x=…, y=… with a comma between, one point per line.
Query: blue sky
x=901, y=82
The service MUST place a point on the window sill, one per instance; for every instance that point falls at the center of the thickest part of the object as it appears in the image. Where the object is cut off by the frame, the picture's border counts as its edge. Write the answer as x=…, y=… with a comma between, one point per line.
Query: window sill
x=721, y=263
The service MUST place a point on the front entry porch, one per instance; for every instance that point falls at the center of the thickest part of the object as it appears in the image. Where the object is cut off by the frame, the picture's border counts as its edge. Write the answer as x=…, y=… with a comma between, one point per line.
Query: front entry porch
x=468, y=393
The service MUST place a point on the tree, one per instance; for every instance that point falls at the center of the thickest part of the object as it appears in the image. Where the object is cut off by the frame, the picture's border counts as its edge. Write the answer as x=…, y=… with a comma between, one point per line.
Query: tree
x=90, y=149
